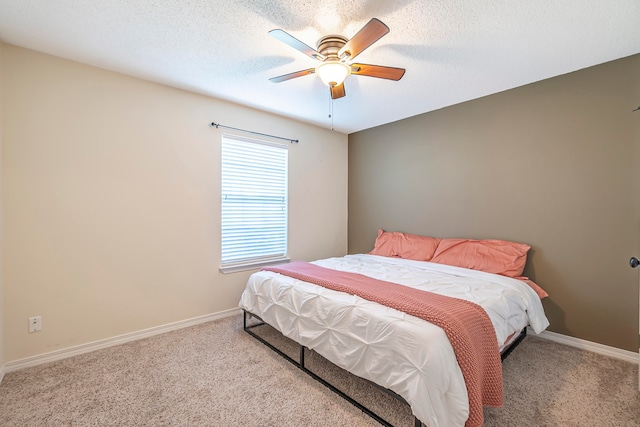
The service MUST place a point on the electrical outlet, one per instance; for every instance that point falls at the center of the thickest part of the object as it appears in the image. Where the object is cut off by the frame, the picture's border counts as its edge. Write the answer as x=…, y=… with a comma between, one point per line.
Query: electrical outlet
x=35, y=324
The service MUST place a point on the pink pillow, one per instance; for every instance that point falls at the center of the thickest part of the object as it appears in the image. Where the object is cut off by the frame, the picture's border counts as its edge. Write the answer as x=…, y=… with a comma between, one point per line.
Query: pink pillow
x=541, y=292
x=403, y=245
x=491, y=256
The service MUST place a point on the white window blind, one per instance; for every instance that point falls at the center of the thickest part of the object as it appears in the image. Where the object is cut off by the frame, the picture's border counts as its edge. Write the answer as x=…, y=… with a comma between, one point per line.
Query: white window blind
x=254, y=201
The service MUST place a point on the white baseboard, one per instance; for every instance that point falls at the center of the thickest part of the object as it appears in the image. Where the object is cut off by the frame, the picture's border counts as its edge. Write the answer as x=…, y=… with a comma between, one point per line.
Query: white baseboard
x=628, y=356
x=110, y=342
x=605, y=350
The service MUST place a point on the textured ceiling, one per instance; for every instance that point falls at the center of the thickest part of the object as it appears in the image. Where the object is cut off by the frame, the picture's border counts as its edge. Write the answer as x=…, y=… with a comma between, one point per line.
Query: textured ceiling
x=453, y=50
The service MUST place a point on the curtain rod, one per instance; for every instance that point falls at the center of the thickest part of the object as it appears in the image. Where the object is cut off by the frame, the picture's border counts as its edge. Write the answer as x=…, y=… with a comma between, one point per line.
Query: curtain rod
x=218, y=125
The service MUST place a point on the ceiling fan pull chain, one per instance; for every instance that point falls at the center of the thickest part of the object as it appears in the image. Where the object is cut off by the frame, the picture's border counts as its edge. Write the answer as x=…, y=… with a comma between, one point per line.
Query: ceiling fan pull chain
x=331, y=114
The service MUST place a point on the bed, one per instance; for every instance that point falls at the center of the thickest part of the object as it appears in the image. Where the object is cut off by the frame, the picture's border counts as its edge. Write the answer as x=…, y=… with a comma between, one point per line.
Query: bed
x=405, y=354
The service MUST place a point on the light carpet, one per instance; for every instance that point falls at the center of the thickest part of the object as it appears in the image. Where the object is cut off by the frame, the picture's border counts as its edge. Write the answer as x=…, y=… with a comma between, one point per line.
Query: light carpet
x=215, y=374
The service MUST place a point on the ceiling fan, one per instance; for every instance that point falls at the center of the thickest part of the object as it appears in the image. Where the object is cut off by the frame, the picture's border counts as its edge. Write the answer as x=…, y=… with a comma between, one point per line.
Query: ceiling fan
x=335, y=52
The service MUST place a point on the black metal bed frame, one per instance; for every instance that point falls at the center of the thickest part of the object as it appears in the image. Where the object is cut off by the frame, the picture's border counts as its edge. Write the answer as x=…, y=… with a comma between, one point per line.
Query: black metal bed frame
x=301, y=365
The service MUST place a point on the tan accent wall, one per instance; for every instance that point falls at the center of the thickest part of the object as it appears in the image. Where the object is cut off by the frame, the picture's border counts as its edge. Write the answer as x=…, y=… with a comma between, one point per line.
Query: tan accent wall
x=111, y=201
x=2, y=359
x=550, y=164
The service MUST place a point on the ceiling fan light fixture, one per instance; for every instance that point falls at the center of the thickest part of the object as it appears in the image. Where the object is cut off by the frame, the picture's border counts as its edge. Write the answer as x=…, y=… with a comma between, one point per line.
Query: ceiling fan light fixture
x=333, y=73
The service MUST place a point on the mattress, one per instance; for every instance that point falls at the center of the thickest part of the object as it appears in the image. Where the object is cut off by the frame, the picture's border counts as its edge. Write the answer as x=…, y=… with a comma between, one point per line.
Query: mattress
x=403, y=353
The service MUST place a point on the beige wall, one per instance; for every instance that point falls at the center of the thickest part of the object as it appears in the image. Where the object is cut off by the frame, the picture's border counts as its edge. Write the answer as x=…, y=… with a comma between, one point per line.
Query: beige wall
x=112, y=202
x=550, y=164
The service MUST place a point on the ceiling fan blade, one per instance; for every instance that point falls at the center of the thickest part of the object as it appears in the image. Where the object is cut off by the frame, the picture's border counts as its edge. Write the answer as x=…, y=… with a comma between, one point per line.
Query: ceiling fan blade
x=379, y=71
x=288, y=39
x=367, y=36
x=337, y=91
x=290, y=76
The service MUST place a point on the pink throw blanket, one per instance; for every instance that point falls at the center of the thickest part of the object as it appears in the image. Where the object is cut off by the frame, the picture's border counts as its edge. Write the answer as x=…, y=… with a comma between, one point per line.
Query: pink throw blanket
x=466, y=324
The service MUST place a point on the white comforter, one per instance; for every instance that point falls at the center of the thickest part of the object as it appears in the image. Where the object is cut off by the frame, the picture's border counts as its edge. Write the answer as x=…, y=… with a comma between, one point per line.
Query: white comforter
x=398, y=351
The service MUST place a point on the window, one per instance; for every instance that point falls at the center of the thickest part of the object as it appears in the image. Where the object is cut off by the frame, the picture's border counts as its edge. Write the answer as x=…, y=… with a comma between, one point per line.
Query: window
x=254, y=203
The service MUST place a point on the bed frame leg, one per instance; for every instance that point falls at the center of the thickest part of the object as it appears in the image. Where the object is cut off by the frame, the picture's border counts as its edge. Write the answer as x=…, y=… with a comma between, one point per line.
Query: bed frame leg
x=507, y=351
x=417, y=422
x=301, y=365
